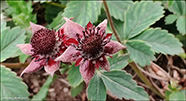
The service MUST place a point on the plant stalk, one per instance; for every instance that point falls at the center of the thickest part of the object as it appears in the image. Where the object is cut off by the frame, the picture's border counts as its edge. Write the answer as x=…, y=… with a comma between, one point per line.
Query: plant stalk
x=132, y=64
x=111, y=22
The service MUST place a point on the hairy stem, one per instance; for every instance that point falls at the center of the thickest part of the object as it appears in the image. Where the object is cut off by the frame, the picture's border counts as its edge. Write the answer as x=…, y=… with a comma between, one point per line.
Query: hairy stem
x=56, y=4
x=132, y=64
x=15, y=65
x=111, y=22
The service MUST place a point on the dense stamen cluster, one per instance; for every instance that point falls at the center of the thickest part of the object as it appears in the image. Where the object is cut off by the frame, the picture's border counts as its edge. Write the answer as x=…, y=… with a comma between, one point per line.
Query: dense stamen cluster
x=92, y=44
x=43, y=41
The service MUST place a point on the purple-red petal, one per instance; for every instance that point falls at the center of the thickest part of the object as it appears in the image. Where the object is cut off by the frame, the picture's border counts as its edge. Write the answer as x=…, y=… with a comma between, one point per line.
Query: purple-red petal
x=32, y=67
x=89, y=25
x=25, y=48
x=87, y=71
x=72, y=28
x=102, y=26
x=70, y=55
x=36, y=27
x=78, y=62
x=113, y=47
x=52, y=67
x=104, y=64
x=71, y=41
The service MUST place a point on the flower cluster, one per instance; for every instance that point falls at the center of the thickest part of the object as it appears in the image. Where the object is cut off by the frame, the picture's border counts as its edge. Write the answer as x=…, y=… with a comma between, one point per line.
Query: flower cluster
x=86, y=47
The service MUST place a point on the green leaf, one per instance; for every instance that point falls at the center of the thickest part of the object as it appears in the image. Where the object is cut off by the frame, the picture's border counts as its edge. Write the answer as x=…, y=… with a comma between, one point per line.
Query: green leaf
x=21, y=12
x=118, y=62
x=177, y=96
x=140, y=52
x=121, y=85
x=75, y=91
x=10, y=38
x=57, y=22
x=23, y=57
x=51, y=11
x=83, y=11
x=161, y=41
x=140, y=16
x=170, y=19
x=12, y=87
x=44, y=89
x=181, y=25
x=118, y=8
x=178, y=7
x=96, y=89
x=74, y=76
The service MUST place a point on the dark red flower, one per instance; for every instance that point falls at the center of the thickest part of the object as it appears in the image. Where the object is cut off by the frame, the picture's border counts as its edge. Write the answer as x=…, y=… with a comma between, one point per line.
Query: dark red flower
x=90, y=47
x=44, y=47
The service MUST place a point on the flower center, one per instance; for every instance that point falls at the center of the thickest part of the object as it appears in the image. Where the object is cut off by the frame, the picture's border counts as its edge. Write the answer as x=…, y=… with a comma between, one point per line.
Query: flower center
x=90, y=45
x=43, y=41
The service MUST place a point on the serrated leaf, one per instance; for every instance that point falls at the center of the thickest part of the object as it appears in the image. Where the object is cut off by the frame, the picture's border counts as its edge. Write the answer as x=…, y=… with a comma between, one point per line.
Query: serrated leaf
x=11, y=38
x=178, y=7
x=75, y=91
x=121, y=85
x=170, y=18
x=161, y=41
x=12, y=87
x=140, y=52
x=74, y=76
x=41, y=95
x=118, y=8
x=177, y=96
x=140, y=16
x=83, y=11
x=181, y=25
x=96, y=89
x=118, y=62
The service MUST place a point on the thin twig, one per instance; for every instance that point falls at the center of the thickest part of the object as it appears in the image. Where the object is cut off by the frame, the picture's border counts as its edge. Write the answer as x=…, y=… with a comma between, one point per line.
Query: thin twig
x=15, y=65
x=64, y=81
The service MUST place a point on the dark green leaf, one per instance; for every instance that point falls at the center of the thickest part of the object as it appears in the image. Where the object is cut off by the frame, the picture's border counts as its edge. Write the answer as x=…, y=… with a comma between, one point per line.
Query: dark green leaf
x=118, y=62
x=140, y=16
x=74, y=76
x=140, y=52
x=121, y=85
x=12, y=87
x=161, y=41
x=83, y=11
x=75, y=91
x=44, y=90
x=10, y=38
x=118, y=8
x=181, y=25
x=96, y=89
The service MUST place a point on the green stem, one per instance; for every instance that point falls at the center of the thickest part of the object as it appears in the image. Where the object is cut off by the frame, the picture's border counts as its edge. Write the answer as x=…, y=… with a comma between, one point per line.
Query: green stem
x=132, y=64
x=111, y=22
x=56, y=4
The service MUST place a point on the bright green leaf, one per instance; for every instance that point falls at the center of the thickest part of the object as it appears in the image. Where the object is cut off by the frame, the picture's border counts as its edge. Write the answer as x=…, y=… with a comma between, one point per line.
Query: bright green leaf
x=140, y=52
x=177, y=96
x=161, y=41
x=12, y=87
x=140, y=16
x=118, y=62
x=178, y=7
x=121, y=85
x=10, y=38
x=170, y=18
x=74, y=76
x=23, y=57
x=75, y=91
x=118, y=8
x=83, y=11
x=181, y=25
x=44, y=90
x=96, y=89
